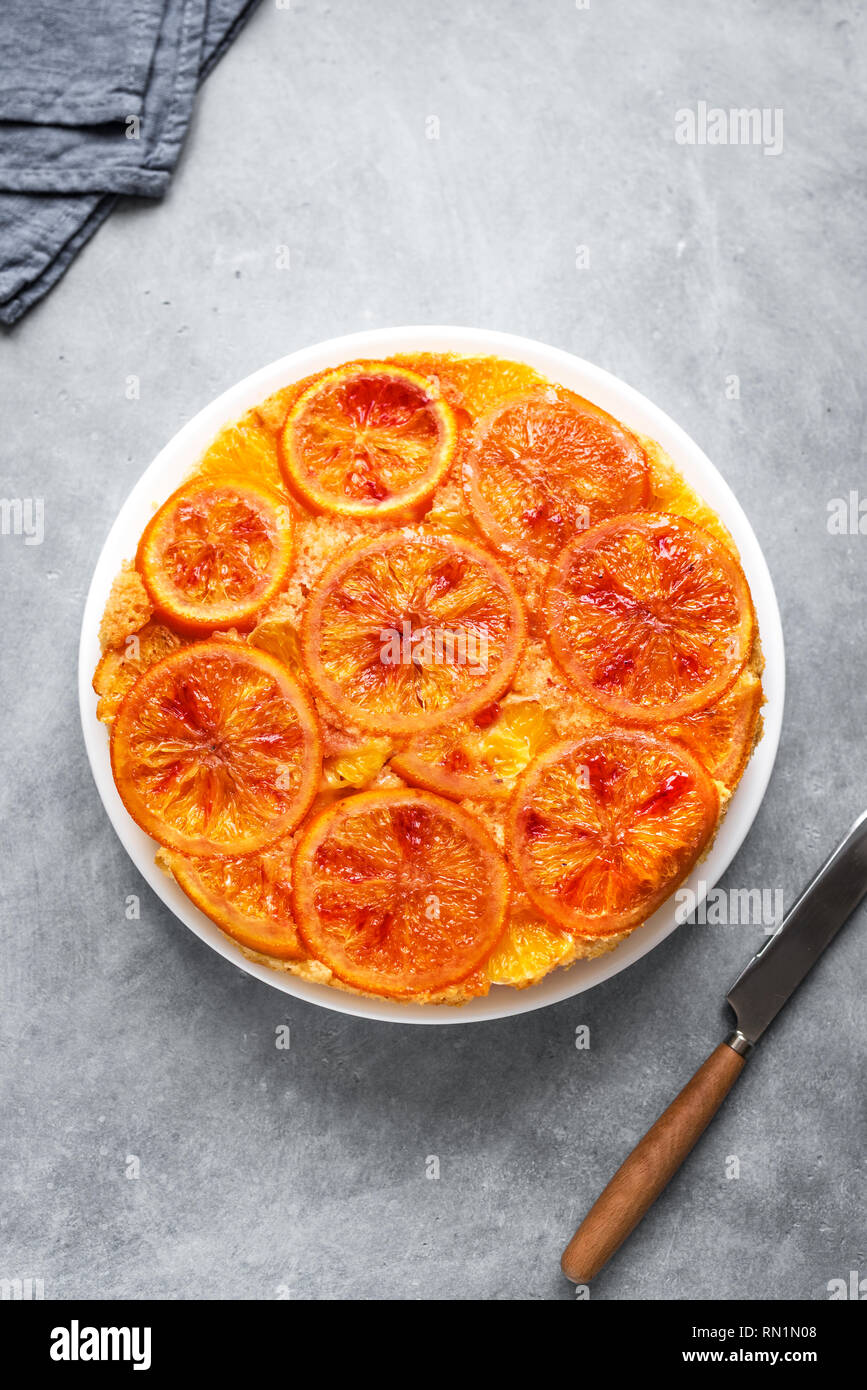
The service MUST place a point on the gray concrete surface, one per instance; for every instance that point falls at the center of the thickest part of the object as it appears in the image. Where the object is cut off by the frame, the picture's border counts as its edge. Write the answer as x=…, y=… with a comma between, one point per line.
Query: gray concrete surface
x=267, y=1173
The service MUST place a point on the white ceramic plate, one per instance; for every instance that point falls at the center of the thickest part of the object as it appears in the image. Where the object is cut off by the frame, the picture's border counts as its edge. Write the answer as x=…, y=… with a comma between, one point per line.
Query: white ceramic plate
x=170, y=467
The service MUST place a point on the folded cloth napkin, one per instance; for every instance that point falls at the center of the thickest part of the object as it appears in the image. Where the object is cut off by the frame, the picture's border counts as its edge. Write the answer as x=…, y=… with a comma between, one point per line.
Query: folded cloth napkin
x=133, y=154
x=62, y=181
x=76, y=62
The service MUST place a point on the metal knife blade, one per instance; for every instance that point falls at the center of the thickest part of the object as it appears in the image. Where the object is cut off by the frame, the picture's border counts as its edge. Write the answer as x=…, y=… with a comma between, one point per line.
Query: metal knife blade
x=775, y=972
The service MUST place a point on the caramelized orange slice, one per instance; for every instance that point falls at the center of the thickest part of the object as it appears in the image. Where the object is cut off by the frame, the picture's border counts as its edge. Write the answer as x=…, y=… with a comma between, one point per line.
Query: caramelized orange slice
x=528, y=949
x=542, y=469
x=649, y=616
x=722, y=735
x=249, y=898
x=245, y=449
x=480, y=757
x=368, y=441
x=602, y=829
x=448, y=760
x=411, y=629
x=120, y=667
x=214, y=555
x=474, y=385
x=356, y=768
x=216, y=750
x=399, y=893
x=280, y=637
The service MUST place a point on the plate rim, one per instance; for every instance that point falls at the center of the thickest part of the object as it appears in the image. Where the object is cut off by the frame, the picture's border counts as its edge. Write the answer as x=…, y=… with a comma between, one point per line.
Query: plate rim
x=177, y=456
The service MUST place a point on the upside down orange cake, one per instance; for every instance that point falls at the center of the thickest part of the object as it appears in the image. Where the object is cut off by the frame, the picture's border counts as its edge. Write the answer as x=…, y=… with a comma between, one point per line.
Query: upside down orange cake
x=431, y=676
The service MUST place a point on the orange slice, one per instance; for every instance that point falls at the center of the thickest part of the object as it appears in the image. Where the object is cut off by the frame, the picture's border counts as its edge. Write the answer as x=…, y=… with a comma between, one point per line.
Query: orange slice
x=480, y=757
x=411, y=629
x=528, y=949
x=474, y=385
x=280, y=637
x=245, y=449
x=722, y=735
x=357, y=767
x=649, y=616
x=540, y=470
x=249, y=898
x=214, y=555
x=602, y=829
x=120, y=667
x=399, y=893
x=216, y=750
x=368, y=441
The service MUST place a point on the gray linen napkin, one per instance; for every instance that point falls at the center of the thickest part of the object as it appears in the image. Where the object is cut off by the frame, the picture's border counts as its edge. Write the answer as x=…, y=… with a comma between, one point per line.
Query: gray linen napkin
x=135, y=155
x=76, y=62
x=41, y=233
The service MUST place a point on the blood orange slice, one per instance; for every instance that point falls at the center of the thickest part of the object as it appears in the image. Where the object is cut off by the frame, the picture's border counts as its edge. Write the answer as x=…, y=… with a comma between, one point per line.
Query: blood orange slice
x=478, y=758
x=214, y=555
x=540, y=470
x=249, y=898
x=649, y=616
x=216, y=750
x=368, y=441
x=412, y=629
x=399, y=893
x=602, y=829
x=120, y=667
x=722, y=735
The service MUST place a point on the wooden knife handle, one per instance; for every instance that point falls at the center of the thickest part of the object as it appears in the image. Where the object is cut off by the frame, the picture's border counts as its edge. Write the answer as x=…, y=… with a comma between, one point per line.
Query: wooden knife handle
x=652, y=1163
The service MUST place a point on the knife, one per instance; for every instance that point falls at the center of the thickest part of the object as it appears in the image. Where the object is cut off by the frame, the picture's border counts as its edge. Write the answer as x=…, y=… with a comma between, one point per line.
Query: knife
x=756, y=997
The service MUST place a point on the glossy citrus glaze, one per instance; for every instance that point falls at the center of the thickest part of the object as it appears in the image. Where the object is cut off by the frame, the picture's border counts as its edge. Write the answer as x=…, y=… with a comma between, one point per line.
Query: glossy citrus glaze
x=476, y=760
